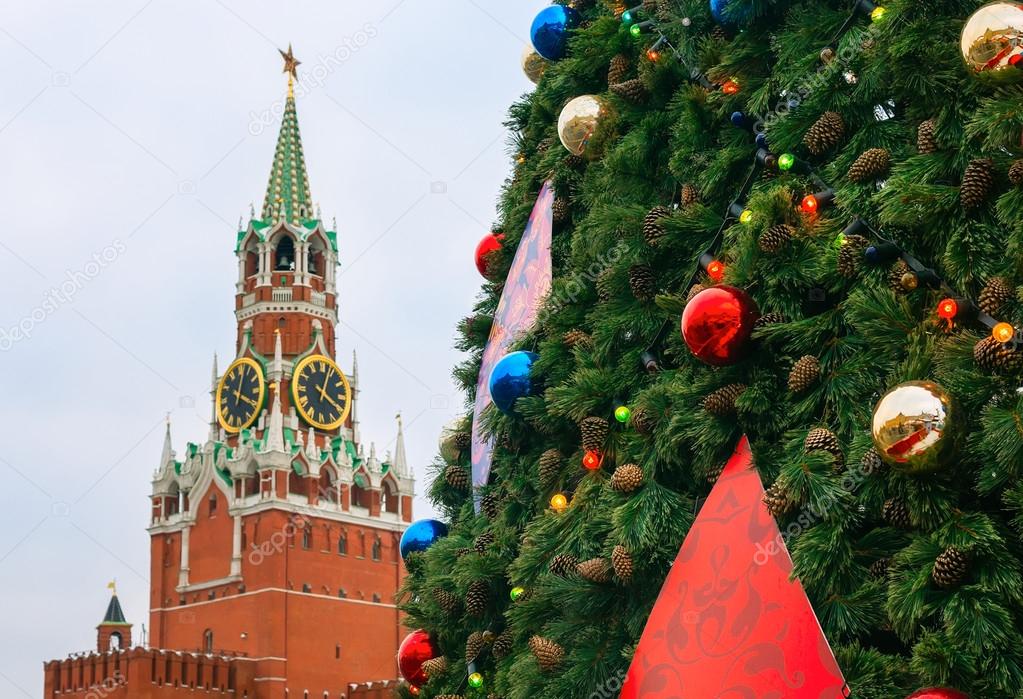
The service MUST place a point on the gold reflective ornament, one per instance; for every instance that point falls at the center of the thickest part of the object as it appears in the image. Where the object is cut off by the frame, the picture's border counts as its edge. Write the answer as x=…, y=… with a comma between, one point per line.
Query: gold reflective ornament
x=914, y=426
x=992, y=41
x=579, y=122
x=448, y=449
x=533, y=64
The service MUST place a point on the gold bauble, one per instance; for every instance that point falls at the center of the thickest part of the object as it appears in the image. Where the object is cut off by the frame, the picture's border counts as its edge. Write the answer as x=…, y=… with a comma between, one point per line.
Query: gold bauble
x=533, y=64
x=578, y=123
x=448, y=449
x=992, y=41
x=914, y=426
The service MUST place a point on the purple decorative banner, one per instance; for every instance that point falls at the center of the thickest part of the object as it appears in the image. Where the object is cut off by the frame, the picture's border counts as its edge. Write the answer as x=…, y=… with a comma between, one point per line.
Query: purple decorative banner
x=529, y=281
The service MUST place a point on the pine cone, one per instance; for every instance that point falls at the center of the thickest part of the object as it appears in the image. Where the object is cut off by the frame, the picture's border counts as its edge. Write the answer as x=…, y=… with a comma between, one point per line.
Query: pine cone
x=1016, y=173
x=871, y=462
x=690, y=194
x=463, y=551
x=777, y=501
x=621, y=561
x=697, y=288
x=596, y=570
x=642, y=421
x=503, y=644
x=594, y=432
x=618, y=69
x=768, y=319
x=722, y=401
x=463, y=440
x=996, y=293
x=576, y=337
x=632, y=90
x=871, y=164
x=718, y=33
x=435, y=666
x=825, y=133
x=823, y=439
x=473, y=646
x=627, y=478
x=879, y=568
x=563, y=563
x=548, y=653
x=574, y=162
x=925, y=142
x=896, y=513
x=805, y=373
x=653, y=226
x=775, y=238
x=490, y=505
x=550, y=467
x=850, y=255
x=477, y=597
x=978, y=182
x=483, y=541
x=715, y=473
x=603, y=284
x=448, y=602
x=561, y=210
x=901, y=278
x=457, y=477
x=994, y=356
x=650, y=6
x=951, y=568
x=641, y=282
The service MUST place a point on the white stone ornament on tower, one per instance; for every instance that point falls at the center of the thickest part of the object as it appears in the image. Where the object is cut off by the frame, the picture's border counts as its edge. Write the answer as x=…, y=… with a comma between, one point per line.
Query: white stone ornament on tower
x=274, y=437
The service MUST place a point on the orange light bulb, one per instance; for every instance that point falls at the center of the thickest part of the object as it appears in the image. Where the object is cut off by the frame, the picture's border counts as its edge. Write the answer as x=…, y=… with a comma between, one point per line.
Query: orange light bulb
x=716, y=270
x=809, y=204
x=948, y=309
x=1003, y=332
x=731, y=87
x=653, y=55
x=591, y=460
x=559, y=503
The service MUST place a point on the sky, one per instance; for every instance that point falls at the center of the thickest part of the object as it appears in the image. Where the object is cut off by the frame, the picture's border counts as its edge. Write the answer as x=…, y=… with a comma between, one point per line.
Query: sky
x=133, y=135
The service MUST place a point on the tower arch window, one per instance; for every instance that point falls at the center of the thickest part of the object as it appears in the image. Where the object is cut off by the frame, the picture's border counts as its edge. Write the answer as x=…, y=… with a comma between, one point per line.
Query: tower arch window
x=315, y=257
x=116, y=641
x=360, y=496
x=328, y=485
x=342, y=544
x=252, y=259
x=307, y=538
x=389, y=494
x=284, y=254
x=207, y=641
x=377, y=547
x=213, y=504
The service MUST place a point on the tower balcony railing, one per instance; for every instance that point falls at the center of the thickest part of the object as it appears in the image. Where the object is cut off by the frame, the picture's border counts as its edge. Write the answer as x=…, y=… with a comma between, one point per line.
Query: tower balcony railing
x=282, y=294
x=318, y=298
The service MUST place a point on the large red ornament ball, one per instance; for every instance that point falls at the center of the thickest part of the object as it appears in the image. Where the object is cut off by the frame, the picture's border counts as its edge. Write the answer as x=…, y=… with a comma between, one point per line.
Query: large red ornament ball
x=938, y=693
x=717, y=324
x=491, y=243
x=416, y=649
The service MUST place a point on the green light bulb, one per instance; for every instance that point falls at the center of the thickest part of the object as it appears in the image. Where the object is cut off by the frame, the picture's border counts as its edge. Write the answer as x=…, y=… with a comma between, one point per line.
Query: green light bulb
x=786, y=161
x=622, y=413
x=635, y=30
x=746, y=216
x=517, y=592
x=476, y=680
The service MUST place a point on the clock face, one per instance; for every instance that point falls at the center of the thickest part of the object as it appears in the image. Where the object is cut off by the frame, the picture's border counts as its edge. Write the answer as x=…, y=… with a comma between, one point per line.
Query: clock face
x=240, y=395
x=320, y=392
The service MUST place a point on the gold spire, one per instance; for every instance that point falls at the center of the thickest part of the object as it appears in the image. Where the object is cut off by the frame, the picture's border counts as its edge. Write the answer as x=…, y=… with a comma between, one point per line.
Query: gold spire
x=291, y=65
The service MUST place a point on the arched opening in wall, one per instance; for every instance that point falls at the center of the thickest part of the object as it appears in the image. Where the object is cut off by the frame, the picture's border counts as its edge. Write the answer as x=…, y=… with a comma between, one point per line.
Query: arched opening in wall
x=173, y=501
x=342, y=543
x=213, y=505
x=391, y=500
x=116, y=641
x=251, y=259
x=377, y=548
x=284, y=254
x=252, y=485
x=360, y=496
x=307, y=537
x=207, y=641
x=316, y=256
x=328, y=486
x=295, y=482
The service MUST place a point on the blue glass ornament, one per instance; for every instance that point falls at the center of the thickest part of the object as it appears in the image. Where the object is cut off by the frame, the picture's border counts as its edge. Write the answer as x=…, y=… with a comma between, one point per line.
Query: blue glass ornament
x=762, y=140
x=421, y=535
x=725, y=12
x=549, y=33
x=738, y=119
x=873, y=255
x=511, y=379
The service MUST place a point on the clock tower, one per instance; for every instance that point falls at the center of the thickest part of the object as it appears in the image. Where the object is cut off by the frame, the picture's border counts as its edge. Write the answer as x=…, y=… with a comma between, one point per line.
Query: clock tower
x=275, y=540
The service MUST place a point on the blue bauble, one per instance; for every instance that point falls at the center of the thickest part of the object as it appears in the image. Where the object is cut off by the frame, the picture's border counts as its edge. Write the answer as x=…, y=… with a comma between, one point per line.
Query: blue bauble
x=726, y=12
x=511, y=379
x=550, y=30
x=421, y=535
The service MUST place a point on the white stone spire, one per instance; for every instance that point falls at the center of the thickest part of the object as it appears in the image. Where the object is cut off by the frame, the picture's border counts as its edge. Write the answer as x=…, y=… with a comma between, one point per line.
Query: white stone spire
x=214, y=425
x=400, y=463
x=273, y=439
x=168, y=452
x=355, y=398
x=312, y=452
x=277, y=368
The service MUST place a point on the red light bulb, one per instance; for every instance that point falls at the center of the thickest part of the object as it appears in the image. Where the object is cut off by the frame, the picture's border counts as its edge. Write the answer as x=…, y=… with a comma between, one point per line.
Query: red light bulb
x=731, y=87
x=716, y=270
x=653, y=55
x=809, y=204
x=947, y=309
x=591, y=460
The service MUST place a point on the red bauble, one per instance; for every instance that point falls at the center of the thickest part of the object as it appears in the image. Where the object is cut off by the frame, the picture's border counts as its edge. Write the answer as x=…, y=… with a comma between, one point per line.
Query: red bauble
x=938, y=693
x=717, y=324
x=491, y=243
x=416, y=649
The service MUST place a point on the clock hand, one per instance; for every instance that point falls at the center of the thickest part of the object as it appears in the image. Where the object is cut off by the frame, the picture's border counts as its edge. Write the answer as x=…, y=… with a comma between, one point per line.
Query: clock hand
x=323, y=388
x=332, y=402
x=248, y=400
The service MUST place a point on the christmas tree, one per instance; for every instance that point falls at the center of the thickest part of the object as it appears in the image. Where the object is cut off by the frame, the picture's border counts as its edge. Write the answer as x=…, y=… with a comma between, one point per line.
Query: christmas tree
x=825, y=195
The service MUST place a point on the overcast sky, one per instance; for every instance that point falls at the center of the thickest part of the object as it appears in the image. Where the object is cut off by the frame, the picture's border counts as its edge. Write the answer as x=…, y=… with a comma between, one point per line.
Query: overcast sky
x=133, y=134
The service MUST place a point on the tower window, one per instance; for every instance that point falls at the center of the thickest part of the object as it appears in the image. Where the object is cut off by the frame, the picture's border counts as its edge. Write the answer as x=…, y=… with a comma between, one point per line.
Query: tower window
x=115, y=641
x=285, y=254
x=207, y=641
x=307, y=538
x=341, y=593
x=337, y=651
x=306, y=587
x=376, y=598
x=377, y=545
x=342, y=544
x=213, y=504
